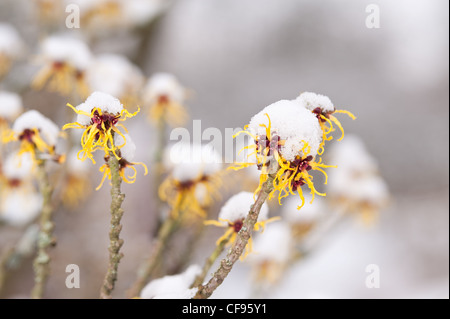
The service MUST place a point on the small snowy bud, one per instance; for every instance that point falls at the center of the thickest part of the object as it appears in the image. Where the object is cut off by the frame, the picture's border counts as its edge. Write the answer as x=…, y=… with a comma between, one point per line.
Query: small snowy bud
x=172, y=287
x=294, y=125
x=10, y=105
x=238, y=206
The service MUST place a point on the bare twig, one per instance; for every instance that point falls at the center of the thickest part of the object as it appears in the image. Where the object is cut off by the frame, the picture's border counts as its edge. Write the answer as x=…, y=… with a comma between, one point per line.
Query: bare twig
x=15, y=253
x=115, y=242
x=4, y=258
x=45, y=237
x=210, y=261
x=148, y=267
x=205, y=291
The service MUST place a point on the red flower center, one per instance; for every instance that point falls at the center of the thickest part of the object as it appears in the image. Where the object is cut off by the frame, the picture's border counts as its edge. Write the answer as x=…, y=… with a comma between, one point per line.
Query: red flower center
x=301, y=165
x=237, y=225
x=27, y=135
x=107, y=119
x=318, y=112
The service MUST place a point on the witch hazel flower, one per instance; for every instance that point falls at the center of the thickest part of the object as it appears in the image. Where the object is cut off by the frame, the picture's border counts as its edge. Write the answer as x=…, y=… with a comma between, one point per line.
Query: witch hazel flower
x=194, y=178
x=301, y=223
x=172, y=287
x=115, y=75
x=16, y=177
x=165, y=96
x=126, y=154
x=48, y=11
x=324, y=109
x=287, y=139
x=65, y=61
x=232, y=215
x=77, y=184
x=106, y=15
x=272, y=253
x=100, y=117
x=37, y=135
x=11, y=47
x=19, y=203
x=17, y=168
x=356, y=183
x=20, y=206
x=10, y=108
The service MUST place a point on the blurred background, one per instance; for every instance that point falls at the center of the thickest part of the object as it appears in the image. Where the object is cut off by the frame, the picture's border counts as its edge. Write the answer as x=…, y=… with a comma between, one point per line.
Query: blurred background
x=238, y=56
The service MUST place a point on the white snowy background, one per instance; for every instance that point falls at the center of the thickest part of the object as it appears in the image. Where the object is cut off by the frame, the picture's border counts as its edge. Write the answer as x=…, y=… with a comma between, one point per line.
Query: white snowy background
x=241, y=55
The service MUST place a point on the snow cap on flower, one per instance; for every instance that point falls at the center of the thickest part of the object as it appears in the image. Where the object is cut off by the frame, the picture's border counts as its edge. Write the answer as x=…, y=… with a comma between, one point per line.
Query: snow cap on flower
x=64, y=49
x=191, y=161
x=139, y=12
x=74, y=165
x=30, y=120
x=372, y=189
x=274, y=244
x=105, y=102
x=352, y=154
x=19, y=207
x=11, y=44
x=369, y=188
x=311, y=101
x=172, y=287
x=295, y=125
x=164, y=85
x=10, y=105
x=201, y=193
x=128, y=151
x=84, y=5
x=18, y=166
x=310, y=212
x=114, y=74
x=356, y=176
x=238, y=206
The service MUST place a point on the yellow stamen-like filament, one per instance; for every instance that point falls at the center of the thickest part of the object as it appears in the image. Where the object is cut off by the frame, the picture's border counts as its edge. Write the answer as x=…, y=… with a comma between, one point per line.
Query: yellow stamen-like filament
x=33, y=144
x=182, y=197
x=232, y=234
x=61, y=77
x=130, y=179
x=95, y=138
x=332, y=119
x=288, y=174
x=171, y=112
